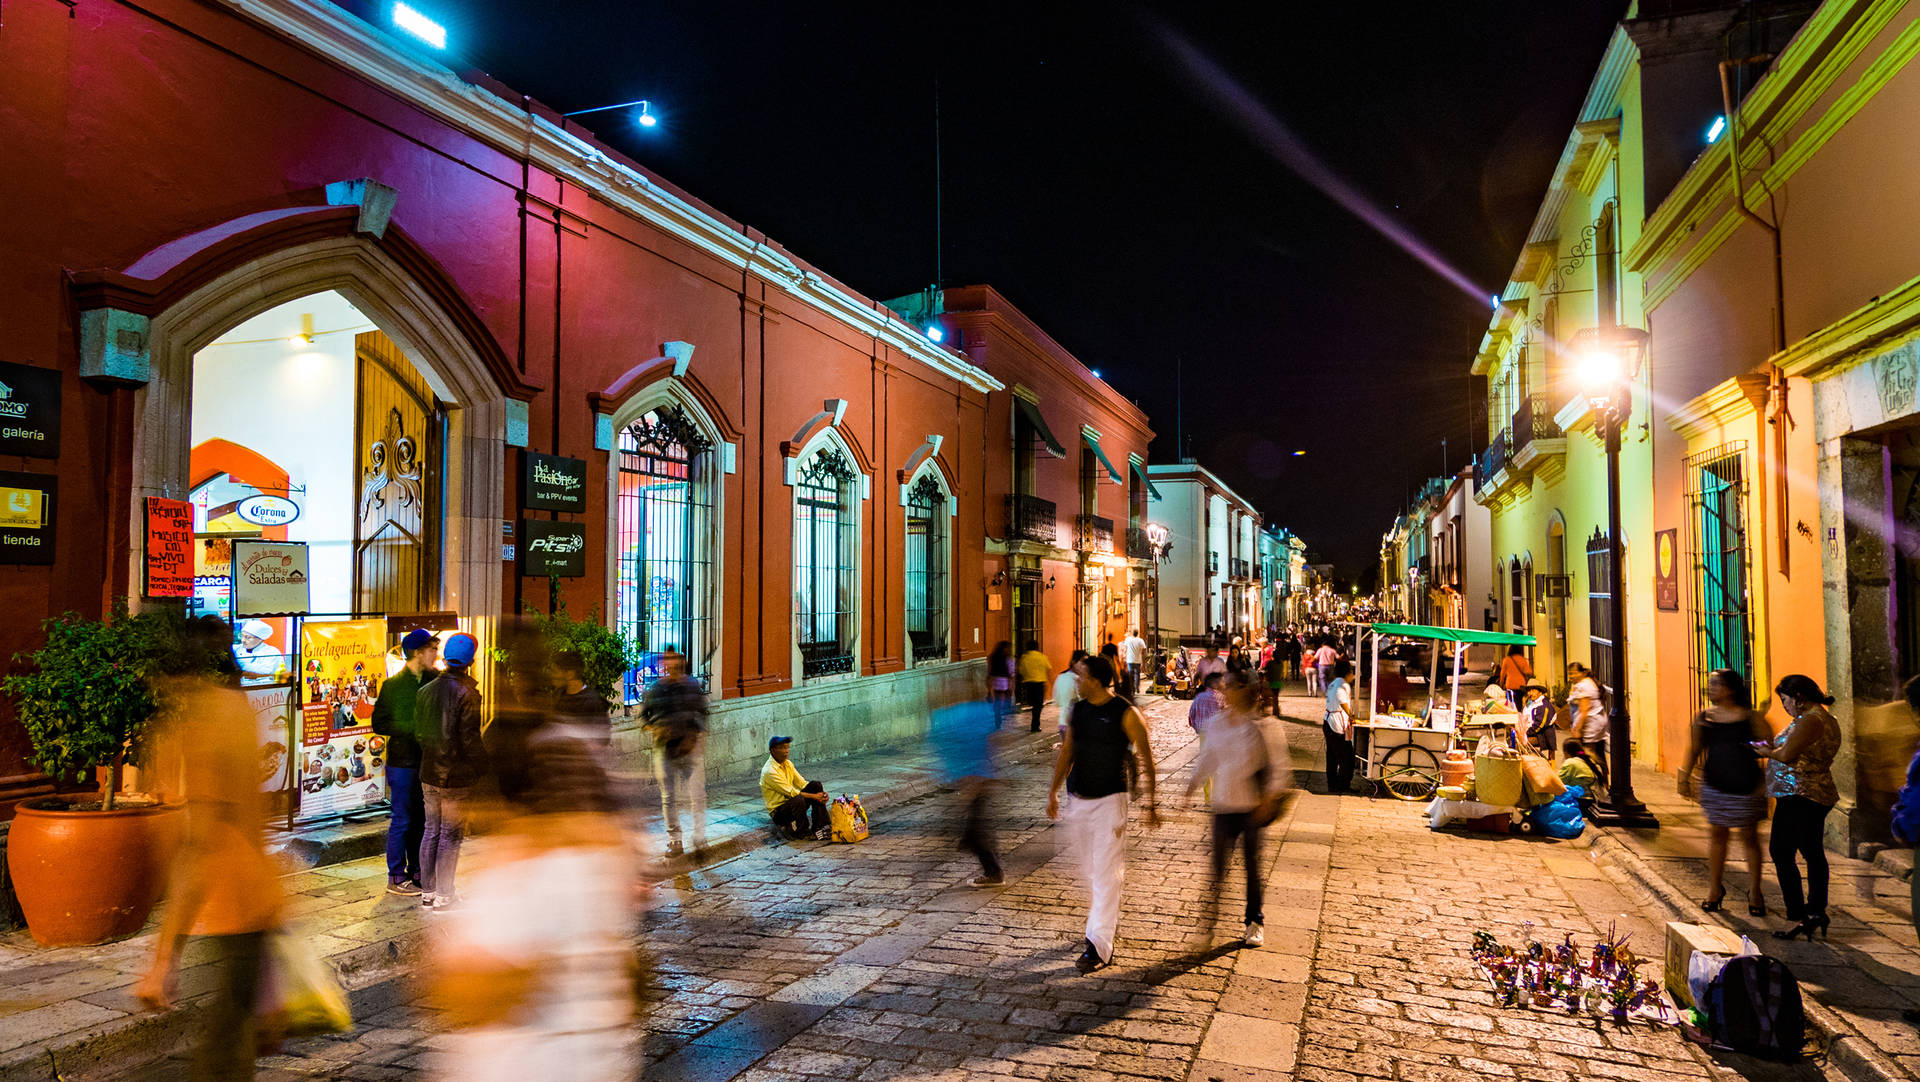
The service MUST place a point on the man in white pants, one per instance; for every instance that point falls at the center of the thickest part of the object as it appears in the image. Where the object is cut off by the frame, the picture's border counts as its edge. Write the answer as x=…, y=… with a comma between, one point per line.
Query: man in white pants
x=1093, y=764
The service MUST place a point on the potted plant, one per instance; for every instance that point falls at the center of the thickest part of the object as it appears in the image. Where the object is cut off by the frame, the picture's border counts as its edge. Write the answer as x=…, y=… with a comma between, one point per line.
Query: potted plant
x=88, y=869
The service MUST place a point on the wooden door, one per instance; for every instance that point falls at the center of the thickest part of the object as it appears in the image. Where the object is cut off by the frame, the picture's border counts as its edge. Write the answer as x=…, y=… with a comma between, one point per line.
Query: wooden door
x=399, y=425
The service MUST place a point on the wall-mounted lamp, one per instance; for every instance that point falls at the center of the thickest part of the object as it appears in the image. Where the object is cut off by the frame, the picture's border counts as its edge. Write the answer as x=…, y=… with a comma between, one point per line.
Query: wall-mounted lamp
x=999, y=578
x=1051, y=580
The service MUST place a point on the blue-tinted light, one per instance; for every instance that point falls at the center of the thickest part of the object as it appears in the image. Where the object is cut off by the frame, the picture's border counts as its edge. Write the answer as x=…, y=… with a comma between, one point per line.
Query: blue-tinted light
x=1095, y=371
x=646, y=118
x=935, y=334
x=1496, y=302
x=413, y=22
x=1713, y=130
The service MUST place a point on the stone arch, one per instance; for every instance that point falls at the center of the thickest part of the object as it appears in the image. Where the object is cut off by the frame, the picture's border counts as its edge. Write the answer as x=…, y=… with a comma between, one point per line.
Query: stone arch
x=439, y=341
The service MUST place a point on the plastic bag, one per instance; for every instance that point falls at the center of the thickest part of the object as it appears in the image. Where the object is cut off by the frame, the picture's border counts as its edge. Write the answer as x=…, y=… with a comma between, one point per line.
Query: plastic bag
x=848, y=819
x=1543, y=785
x=299, y=995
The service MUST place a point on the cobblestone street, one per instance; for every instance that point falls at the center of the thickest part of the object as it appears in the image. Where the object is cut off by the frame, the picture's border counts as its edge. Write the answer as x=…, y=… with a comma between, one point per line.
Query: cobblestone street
x=875, y=961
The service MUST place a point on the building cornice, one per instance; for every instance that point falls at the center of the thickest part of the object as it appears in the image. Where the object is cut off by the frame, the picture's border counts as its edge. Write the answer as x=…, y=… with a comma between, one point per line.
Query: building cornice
x=1725, y=401
x=523, y=134
x=1863, y=331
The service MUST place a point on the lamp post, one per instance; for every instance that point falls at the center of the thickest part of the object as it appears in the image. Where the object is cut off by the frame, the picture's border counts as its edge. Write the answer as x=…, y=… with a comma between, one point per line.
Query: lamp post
x=1607, y=370
x=1159, y=542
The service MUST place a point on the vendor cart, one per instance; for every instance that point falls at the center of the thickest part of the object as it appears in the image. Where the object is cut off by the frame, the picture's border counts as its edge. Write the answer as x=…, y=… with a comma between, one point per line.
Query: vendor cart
x=1403, y=752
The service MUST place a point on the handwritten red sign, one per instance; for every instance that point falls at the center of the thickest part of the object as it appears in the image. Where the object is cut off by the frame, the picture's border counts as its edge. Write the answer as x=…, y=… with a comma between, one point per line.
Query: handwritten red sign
x=169, y=548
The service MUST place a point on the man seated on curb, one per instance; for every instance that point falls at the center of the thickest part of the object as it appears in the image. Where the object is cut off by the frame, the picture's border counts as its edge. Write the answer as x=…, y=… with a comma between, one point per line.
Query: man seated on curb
x=798, y=806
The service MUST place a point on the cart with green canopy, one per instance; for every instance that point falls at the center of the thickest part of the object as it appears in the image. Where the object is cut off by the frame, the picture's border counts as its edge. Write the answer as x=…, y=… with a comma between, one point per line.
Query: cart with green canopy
x=1405, y=759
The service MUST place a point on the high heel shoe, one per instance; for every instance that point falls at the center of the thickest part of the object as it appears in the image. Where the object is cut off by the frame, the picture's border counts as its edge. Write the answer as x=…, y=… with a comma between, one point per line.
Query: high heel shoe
x=1806, y=927
x=1757, y=910
x=1712, y=905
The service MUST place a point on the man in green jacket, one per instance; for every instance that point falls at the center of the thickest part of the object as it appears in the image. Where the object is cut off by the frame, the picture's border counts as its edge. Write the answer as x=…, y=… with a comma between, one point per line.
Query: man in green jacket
x=393, y=718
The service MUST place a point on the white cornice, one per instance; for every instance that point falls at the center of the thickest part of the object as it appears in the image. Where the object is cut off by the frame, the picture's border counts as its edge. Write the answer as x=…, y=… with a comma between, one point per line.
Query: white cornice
x=362, y=50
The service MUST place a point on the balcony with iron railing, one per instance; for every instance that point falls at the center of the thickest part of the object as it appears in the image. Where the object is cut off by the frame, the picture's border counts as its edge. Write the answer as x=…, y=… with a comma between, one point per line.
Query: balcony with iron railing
x=1138, y=547
x=1213, y=563
x=1491, y=461
x=1237, y=568
x=1536, y=434
x=1030, y=518
x=1093, y=533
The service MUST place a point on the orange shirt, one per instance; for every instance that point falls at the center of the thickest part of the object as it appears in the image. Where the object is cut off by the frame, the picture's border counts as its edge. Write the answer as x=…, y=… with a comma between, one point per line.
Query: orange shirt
x=1515, y=672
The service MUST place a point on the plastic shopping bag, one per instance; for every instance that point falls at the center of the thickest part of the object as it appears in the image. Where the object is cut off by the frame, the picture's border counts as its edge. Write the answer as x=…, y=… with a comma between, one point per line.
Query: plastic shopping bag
x=1704, y=966
x=848, y=819
x=299, y=995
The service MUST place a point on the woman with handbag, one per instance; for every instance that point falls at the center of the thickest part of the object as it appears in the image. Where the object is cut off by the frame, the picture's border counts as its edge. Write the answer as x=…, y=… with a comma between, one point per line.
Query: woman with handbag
x=1732, y=790
x=1248, y=775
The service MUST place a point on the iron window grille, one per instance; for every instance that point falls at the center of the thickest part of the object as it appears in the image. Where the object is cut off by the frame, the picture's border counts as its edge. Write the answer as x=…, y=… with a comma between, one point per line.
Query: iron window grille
x=927, y=569
x=1522, y=577
x=1600, y=607
x=1717, y=544
x=662, y=512
x=824, y=539
x=1026, y=609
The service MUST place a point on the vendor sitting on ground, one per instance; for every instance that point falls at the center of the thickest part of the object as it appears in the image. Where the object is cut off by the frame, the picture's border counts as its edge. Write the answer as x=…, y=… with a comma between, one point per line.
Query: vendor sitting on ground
x=1577, y=767
x=798, y=806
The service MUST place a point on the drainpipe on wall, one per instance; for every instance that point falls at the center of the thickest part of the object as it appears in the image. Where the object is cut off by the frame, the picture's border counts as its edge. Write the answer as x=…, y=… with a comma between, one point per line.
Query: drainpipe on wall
x=1778, y=416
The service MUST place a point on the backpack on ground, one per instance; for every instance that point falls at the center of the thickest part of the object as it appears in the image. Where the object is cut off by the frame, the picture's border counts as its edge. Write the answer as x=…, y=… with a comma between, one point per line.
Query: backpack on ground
x=1753, y=1006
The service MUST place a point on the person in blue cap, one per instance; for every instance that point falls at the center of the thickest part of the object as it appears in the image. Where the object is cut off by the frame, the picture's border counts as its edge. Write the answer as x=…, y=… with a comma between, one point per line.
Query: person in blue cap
x=393, y=718
x=453, y=759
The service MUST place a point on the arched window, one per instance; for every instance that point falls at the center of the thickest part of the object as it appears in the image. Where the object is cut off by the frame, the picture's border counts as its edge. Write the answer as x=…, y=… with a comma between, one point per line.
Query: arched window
x=662, y=513
x=825, y=591
x=927, y=568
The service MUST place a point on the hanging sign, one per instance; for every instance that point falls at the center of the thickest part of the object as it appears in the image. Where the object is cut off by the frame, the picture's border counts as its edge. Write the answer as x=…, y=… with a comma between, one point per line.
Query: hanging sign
x=264, y=510
x=29, y=411
x=552, y=483
x=26, y=517
x=169, y=548
x=269, y=578
x=554, y=549
x=1666, y=571
x=342, y=761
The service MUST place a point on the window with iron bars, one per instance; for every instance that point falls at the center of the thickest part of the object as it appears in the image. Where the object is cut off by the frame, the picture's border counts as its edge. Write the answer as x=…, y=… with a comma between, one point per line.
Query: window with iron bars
x=661, y=541
x=1600, y=607
x=927, y=569
x=1716, y=523
x=823, y=562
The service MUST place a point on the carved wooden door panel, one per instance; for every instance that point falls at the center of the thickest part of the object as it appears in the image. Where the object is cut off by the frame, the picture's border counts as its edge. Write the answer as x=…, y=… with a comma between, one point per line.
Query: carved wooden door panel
x=398, y=423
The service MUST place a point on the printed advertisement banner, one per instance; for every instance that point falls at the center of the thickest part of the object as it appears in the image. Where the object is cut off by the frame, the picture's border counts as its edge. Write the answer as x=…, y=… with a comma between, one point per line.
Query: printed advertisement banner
x=553, y=483
x=273, y=716
x=269, y=578
x=342, y=761
x=554, y=549
x=170, y=555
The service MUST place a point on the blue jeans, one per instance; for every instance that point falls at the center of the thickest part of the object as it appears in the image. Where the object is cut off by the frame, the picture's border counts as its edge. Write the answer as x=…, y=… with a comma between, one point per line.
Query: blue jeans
x=446, y=826
x=409, y=822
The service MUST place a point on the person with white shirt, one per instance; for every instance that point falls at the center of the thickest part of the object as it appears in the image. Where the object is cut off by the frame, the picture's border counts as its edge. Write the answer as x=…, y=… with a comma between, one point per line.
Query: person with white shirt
x=1066, y=687
x=255, y=655
x=1133, y=651
x=1587, y=705
x=1244, y=768
x=1338, y=728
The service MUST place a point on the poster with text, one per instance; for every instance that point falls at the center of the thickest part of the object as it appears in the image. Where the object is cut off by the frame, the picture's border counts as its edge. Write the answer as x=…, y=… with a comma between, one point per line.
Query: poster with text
x=170, y=555
x=342, y=761
x=273, y=718
x=269, y=578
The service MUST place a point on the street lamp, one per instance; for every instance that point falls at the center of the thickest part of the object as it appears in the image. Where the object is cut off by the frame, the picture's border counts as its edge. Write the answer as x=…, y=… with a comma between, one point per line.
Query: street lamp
x=646, y=119
x=1608, y=365
x=1159, y=543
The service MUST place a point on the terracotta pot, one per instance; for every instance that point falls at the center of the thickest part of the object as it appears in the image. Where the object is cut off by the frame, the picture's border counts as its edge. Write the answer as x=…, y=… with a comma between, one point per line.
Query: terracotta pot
x=89, y=876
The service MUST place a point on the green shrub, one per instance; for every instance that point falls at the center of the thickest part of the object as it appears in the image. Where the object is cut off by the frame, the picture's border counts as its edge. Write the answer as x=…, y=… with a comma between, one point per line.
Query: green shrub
x=607, y=654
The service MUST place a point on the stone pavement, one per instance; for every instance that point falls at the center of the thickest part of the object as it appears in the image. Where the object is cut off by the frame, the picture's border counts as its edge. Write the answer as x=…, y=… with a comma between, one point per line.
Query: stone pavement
x=875, y=961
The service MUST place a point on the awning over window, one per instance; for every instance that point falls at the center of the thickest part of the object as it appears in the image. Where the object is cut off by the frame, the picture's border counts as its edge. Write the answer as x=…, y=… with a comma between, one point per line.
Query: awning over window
x=1147, y=483
x=1032, y=413
x=1102, y=456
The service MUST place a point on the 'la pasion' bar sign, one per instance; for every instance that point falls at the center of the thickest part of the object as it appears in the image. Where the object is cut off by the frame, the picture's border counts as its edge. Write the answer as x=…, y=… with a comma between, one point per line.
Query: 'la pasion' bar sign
x=553, y=483
x=555, y=550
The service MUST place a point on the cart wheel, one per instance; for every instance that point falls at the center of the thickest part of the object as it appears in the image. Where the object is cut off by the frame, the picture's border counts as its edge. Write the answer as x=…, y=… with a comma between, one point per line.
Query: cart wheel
x=1410, y=772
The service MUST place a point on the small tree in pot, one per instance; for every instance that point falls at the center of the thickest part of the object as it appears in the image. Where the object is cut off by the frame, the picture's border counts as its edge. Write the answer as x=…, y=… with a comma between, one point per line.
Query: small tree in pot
x=90, y=871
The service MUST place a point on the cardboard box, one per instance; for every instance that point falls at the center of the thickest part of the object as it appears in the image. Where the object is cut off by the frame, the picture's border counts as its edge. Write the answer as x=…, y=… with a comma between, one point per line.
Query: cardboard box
x=1682, y=941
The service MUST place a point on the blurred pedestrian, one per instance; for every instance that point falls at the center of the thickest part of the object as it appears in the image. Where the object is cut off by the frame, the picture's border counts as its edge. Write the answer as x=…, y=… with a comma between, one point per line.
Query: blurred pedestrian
x=1245, y=772
x=575, y=703
x=1000, y=679
x=962, y=734
x=1066, y=688
x=1905, y=821
x=1516, y=672
x=1732, y=790
x=1035, y=670
x=1337, y=728
x=1207, y=703
x=1273, y=679
x=1102, y=733
x=537, y=967
x=1800, y=781
x=453, y=760
x=1210, y=662
x=1133, y=650
x=1587, y=715
x=674, y=711
x=393, y=718
x=223, y=888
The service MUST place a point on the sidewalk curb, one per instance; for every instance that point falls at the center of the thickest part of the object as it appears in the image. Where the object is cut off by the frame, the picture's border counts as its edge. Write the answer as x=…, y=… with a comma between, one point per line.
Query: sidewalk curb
x=374, y=975
x=1849, y=1054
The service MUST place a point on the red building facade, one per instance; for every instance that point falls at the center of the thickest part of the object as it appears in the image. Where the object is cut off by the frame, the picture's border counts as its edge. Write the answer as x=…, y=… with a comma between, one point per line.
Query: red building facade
x=780, y=475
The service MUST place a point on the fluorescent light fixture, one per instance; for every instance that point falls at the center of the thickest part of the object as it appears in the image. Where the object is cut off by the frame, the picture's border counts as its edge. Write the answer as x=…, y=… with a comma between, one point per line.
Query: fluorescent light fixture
x=1095, y=371
x=1713, y=130
x=1496, y=302
x=646, y=119
x=413, y=22
x=934, y=333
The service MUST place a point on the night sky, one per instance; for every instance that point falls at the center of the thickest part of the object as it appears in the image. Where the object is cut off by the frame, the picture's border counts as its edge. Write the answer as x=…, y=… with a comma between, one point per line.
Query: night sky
x=1137, y=180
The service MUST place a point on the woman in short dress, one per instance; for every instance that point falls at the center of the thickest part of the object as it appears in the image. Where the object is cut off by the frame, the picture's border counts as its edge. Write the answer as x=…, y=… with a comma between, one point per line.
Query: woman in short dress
x=1731, y=791
x=1800, y=781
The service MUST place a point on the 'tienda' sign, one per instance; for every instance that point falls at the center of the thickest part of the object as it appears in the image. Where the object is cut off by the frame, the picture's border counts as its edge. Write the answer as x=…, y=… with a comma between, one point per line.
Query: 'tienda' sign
x=553, y=483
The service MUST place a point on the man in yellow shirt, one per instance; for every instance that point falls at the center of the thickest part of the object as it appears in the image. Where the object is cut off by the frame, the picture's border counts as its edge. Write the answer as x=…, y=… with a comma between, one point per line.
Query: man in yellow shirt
x=1034, y=671
x=798, y=806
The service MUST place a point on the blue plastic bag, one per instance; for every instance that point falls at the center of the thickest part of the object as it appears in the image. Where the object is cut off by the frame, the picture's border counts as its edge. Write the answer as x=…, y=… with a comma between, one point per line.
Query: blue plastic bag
x=1561, y=818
